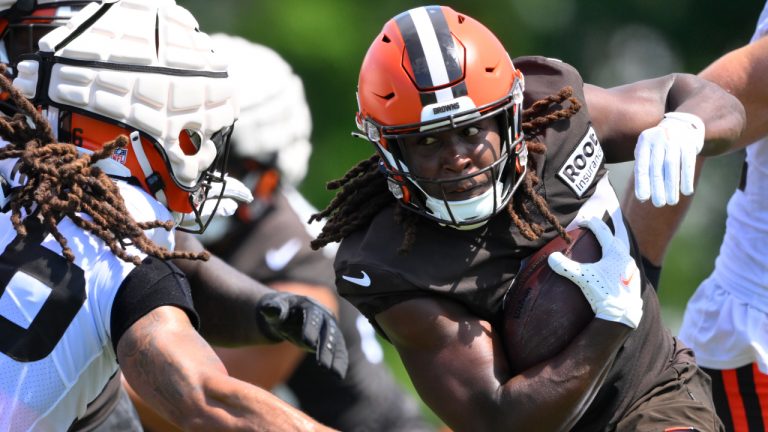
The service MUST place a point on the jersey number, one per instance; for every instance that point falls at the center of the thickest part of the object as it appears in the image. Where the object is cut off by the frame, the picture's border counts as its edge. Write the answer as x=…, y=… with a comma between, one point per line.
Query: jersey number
x=67, y=284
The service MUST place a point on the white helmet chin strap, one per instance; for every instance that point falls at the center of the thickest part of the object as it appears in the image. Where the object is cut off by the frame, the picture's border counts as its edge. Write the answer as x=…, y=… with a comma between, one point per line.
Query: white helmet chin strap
x=479, y=207
x=150, y=177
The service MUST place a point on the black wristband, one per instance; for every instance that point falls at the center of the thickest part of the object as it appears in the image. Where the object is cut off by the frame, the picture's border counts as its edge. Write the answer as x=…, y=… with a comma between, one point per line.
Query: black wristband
x=652, y=273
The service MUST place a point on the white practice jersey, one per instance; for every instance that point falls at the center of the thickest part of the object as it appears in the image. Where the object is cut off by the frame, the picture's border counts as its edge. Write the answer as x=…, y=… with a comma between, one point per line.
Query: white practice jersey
x=742, y=266
x=56, y=352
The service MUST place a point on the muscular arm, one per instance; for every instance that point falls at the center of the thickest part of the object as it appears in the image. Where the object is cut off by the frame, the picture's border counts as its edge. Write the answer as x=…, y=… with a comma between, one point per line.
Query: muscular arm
x=224, y=297
x=744, y=74
x=269, y=365
x=653, y=226
x=620, y=114
x=172, y=368
x=458, y=367
x=226, y=300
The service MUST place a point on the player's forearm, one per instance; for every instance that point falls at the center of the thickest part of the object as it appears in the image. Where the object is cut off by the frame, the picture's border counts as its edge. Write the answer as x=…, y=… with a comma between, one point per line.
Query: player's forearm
x=215, y=401
x=744, y=74
x=262, y=365
x=269, y=365
x=722, y=113
x=229, y=404
x=224, y=298
x=555, y=394
x=178, y=374
x=458, y=366
x=226, y=301
x=654, y=227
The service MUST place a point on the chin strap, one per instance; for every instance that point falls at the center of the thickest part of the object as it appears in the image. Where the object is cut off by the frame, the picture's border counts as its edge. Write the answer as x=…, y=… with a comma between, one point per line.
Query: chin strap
x=153, y=180
x=470, y=213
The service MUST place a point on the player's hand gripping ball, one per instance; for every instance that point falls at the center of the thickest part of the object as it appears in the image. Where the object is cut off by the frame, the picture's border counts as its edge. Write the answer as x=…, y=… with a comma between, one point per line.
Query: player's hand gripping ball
x=612, y=285
x=543, y=311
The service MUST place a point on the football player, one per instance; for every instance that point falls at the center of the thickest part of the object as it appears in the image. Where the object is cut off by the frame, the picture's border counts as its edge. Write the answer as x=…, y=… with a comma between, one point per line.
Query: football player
x=268, y=240
x=725, y=319
x=480, y=161
x=126, y=142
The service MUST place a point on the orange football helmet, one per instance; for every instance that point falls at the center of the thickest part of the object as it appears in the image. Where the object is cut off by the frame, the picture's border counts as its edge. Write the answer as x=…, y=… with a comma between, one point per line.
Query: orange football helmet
x=432, y=69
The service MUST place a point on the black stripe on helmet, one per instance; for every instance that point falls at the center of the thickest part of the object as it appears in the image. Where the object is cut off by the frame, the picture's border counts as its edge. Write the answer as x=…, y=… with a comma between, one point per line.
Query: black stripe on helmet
x=428, y=98
x=459, y=89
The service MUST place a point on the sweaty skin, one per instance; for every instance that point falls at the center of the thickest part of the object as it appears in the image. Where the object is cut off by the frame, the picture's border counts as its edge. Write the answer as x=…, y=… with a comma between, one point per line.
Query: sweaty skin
x=443, y=338
x=172, y=368
x=217, y=287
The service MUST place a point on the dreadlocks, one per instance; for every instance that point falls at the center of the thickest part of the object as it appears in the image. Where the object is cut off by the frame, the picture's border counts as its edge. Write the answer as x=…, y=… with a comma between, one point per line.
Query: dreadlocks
x=61, y=181
x=363, y=189
x=535, y=120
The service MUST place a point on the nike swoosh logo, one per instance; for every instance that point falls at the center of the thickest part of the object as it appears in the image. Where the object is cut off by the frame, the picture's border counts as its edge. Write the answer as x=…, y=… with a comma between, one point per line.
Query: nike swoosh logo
x=364, y=281
x=278, y=258
x=626, y=281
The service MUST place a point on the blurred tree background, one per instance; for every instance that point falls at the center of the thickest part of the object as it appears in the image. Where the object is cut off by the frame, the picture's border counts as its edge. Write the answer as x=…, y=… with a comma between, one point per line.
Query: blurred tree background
x=610, y=42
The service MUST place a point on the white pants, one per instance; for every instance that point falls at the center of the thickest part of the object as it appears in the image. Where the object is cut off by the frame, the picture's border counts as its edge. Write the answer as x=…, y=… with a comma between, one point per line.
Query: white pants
x=724, y=332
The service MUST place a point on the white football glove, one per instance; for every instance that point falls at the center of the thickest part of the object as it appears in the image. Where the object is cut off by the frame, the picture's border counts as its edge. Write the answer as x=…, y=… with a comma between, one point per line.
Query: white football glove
x=611, y=285
x=665, y=158
x=235, y=192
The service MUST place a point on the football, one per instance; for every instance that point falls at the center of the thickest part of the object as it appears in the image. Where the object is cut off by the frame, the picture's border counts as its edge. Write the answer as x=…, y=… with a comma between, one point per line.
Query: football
x=544, y=311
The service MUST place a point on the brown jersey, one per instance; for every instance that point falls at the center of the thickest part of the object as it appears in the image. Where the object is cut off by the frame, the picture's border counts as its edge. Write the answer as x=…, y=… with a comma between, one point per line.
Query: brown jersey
x=477, y=267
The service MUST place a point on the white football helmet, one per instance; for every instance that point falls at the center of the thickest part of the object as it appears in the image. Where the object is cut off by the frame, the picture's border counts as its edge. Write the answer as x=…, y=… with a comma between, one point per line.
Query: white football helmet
x=274, y=125
x=141, y=68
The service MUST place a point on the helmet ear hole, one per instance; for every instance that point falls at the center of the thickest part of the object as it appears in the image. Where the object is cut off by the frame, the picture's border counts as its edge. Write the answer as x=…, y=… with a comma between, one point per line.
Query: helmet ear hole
x=190, y=141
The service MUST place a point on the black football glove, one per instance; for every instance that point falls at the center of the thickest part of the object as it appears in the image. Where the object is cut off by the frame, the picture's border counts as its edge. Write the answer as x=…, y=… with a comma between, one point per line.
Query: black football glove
x=305, y=323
